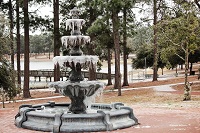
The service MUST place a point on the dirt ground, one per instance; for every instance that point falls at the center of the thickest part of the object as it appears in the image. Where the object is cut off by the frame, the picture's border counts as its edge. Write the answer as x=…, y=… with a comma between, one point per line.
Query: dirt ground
x=128, y=97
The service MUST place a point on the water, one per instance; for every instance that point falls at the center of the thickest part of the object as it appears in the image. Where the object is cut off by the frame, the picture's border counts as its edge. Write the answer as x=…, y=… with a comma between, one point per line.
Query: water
x=56, y=109
x=50, y=65
x=105, y=69
x=62, y=109
x=37, y=65
x=132, y=73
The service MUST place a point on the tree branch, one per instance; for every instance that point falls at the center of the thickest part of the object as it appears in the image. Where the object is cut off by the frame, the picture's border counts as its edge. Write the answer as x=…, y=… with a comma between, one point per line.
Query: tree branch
x=197, y=3
x=183, y=48
x=169, y=38
x=180, y=56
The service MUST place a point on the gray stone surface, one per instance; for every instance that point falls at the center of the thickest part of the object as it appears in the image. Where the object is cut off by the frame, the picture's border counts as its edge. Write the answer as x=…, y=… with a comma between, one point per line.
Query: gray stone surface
x=107, y=117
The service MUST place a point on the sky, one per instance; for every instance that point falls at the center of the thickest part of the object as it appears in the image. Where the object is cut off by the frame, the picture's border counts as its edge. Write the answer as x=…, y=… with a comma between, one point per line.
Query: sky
x=43, y=11
x=48, y=10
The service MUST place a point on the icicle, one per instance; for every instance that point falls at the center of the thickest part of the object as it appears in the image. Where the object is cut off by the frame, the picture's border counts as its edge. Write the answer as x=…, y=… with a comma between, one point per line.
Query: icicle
x=76, y=91
x=86, y=59
x=74, y=40
x=79, y=39
x=86, y=39
x=67, y=24
x=73, y=91
x=70, y=24
x=73, y=25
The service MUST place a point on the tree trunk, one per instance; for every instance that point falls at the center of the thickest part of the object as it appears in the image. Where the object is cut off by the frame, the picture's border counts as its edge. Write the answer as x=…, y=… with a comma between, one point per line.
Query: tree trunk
x=109, y=55
x=187, y=88
x=155, y=62
x=49, y=54
x=11, y=32
x=3, y=98
x=92, y=70
x=91, y=47
x=109, y=67
x=115, y=21
x=191, y=64
x=56, y=39
x=18, y=45
x=181, y=66
x=92, y=73
x=26, y=92
x=125, y=82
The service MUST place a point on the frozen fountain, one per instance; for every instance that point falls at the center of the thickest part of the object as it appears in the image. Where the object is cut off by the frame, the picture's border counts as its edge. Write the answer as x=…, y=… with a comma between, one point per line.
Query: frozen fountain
x=82, y=114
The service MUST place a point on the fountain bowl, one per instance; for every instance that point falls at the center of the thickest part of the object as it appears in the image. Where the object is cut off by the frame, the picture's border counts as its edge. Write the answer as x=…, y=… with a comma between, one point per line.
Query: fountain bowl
x=55, y=117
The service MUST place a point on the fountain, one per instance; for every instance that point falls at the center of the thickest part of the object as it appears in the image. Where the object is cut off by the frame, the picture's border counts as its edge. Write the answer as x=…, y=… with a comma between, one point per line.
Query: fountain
x=82, y=114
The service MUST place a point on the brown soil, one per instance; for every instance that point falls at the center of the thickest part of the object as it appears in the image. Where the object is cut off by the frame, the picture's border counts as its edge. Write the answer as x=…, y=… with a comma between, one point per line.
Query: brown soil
x=161, y=82
x=136, y=96
x=195, y=86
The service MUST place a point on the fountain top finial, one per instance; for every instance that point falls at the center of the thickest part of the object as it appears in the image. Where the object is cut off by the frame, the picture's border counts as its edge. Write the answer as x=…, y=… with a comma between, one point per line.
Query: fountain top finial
x=75, y=13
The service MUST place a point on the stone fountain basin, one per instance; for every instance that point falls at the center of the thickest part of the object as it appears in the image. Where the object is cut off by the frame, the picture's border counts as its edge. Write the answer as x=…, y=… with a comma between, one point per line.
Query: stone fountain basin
x=81, y=93
x=68, y=88
x=101, y=117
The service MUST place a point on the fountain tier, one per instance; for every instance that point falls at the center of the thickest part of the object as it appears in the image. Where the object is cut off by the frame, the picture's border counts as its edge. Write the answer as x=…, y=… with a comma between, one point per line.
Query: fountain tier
x=83, y=60
x=74, y=23
x=75, y=40
x=82, y=93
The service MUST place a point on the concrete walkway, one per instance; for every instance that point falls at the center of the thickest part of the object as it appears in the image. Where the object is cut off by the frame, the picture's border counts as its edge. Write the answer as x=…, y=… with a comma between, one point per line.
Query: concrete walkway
x=167, y=87
x=151, y=119
x=156, y=88
x=163, y=88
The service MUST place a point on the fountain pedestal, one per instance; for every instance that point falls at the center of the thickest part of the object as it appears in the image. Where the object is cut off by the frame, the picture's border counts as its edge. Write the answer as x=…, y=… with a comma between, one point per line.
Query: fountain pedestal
x=77, y=105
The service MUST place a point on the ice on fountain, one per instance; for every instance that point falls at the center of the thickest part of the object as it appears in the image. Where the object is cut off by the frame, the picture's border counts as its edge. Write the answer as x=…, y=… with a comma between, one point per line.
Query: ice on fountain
x=75, y=11
x=71, y=23
x=91, y=89
x=84, y=59
x=74, y=40
x=91, y=99
x=53, y=110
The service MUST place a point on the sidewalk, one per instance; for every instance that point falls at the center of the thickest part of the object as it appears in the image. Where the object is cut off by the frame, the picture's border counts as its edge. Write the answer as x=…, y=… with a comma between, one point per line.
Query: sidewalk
x=152, y=120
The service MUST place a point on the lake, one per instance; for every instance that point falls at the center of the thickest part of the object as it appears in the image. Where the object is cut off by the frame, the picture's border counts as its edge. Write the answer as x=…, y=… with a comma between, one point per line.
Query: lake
x=49, y=65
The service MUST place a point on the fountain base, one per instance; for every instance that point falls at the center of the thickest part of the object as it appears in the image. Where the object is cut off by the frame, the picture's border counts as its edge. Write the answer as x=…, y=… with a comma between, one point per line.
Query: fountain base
x=52, y=117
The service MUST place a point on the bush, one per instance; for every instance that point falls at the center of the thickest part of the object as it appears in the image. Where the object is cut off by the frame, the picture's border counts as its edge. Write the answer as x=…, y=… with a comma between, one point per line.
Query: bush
x=8, y=88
